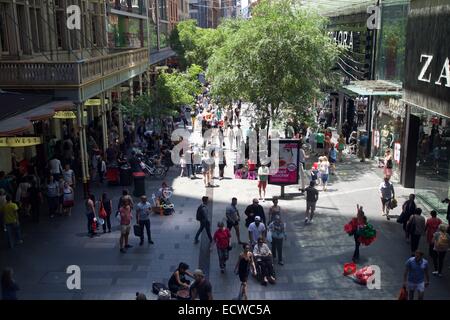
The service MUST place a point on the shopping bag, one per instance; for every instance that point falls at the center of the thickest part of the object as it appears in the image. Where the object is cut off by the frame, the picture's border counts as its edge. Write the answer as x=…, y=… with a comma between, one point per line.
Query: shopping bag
x=403, y=294
x=137, y=230
x=349, y=268
x=269, y=236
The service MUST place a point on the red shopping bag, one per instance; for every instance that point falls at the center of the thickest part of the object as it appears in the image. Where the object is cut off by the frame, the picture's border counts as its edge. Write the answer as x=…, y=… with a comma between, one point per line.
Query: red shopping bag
x=349, y=268
x=403, y=294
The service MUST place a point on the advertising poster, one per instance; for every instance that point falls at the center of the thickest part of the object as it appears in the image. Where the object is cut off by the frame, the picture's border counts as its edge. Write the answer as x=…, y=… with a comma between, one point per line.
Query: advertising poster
x=397, y=152
x=288, y=164
x=376, y=139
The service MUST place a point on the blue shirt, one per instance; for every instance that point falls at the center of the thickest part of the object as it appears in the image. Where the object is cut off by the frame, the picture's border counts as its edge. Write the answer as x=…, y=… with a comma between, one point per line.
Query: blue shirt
x=416, y=270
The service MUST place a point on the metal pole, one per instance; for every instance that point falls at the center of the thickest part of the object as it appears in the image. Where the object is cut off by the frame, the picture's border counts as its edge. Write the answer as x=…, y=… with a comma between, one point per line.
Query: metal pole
x=104, y=123
x=80, y=116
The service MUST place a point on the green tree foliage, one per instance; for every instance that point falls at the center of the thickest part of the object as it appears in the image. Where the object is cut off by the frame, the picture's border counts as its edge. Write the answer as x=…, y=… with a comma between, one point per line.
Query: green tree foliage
x=278, y=60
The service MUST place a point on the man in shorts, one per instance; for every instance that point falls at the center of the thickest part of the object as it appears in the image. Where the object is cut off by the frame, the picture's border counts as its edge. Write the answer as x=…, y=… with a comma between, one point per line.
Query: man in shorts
x=416, y=276
x=263, y=176
x=233, y=219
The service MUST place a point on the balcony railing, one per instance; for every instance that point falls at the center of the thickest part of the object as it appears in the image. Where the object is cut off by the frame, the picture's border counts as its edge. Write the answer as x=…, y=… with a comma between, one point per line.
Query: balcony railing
x=22, y=73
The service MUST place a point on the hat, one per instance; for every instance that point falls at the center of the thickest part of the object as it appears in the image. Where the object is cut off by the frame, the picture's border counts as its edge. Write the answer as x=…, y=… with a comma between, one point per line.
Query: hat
x=199, y=272
x=257, y=218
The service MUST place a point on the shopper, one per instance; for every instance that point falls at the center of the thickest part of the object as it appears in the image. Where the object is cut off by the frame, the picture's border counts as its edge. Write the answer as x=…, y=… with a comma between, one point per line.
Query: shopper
x=69, y=176
x=341, y=147
x=312, y=195
x=203, y=218
x=233, y=218
x=68, y=199
x=178, y=279
x=388, y=163
x=106, y=204
x=11, y=222
x=244, y=265
x=253, y=210
x=52, y=196
x=274, y=210
x=143, y=210
x=360, y=222
x=276, y=227
x=263, y=176
x=222, y=238
x=441, y=241
x=36, y=200
x=416, y=276
x=255, y=230
x=125, y=224
x=90, y=215
x=324, y=167
x=416, y=228
x=387, y=193
x=408, y=209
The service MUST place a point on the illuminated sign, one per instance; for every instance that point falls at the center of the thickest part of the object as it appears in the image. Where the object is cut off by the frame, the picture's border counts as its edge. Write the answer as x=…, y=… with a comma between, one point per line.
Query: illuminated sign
x=12, y=142
x=94, y=102
x=67, y=115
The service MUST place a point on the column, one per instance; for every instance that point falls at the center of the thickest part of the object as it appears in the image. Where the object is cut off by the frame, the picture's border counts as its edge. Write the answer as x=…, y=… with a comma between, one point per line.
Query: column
x=104, y=123
x=83, y=148
x=120, y=124
x=140, y=84
x=130, y=84
x=341, y=107
x=148, y=82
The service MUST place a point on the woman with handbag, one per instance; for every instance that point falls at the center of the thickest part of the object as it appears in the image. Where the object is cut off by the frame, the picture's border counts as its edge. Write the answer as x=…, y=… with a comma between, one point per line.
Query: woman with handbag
x=68, y=199
x=415, y=228
x=105, y=211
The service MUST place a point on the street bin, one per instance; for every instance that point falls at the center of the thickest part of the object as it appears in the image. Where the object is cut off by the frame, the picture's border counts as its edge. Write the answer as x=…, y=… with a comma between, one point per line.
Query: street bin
x=139, y=184
x=125, y=175
x=113, y=175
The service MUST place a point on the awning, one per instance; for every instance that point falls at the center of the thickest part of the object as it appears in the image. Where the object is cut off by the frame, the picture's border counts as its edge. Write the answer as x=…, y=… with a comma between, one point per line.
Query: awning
x=22, y=122
x=161, y=55
x=375, y=88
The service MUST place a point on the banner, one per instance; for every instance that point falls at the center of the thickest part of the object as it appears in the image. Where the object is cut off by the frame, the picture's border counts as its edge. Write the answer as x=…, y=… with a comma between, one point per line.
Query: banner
x=13, y=142
x=67, y=115
x=287, y=173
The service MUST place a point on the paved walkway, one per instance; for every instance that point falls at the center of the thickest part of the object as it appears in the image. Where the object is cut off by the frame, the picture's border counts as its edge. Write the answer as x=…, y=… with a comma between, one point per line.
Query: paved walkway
x=314, y=254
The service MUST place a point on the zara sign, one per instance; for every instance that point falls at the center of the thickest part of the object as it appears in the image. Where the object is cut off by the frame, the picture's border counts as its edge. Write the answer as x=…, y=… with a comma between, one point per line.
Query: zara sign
x=342, y=38
x=426, y=74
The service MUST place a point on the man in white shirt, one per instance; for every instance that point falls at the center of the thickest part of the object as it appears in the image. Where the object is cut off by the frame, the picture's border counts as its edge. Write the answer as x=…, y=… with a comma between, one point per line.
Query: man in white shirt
x=255, y=230
x=55, y=168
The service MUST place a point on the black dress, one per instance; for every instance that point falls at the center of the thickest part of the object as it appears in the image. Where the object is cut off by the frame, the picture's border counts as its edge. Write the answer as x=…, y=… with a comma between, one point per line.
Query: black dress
x=243, y=269
x=174, y=287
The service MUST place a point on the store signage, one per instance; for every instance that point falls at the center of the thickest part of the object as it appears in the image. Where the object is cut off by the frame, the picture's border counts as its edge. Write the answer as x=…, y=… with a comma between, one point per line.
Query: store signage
x=444, y=75
x=342, y=38
x=13, y=142
x=397, y=148
x=94, y=102
x=394, y=107
x=287, y=173
x=427, y=59
x=67, y=115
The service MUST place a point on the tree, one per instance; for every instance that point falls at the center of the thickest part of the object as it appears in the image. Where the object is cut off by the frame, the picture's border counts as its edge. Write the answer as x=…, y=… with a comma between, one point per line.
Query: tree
x=278, y=60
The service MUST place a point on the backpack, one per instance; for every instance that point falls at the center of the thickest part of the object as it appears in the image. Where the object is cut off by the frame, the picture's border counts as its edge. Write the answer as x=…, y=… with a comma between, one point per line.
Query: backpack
x=157, y=287
x=443, y=242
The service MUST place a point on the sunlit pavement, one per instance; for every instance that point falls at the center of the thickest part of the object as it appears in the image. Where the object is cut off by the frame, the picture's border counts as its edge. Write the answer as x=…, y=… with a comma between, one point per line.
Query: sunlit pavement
x=314, y=255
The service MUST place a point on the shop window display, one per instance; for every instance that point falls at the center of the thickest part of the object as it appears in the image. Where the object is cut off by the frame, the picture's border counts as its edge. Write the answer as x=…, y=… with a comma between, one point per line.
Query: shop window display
x=433, y=159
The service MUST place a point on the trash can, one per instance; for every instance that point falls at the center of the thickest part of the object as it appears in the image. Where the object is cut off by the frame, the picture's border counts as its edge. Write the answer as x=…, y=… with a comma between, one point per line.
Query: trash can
x=139, y=184
x=125, y=175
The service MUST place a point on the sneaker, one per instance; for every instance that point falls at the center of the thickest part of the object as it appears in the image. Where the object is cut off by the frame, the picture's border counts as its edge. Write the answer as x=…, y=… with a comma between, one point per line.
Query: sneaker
x=151, y=242
x=435, y=273
x=306, y=220
x=281, y=263
x=388, y=218
x=311, y=221
x=122, y=250
x=128, y=246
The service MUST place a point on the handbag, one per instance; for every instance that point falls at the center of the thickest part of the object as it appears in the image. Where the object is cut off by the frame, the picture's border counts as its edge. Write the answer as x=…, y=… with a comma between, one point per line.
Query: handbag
x=101, y=211
x=403, y=294
x=393, y=203
x=269, y=236
x=137, y=230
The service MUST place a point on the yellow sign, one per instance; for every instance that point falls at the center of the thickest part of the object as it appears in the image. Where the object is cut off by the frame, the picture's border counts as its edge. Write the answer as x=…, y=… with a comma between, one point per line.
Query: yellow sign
x=94, y=102
x=67, y=115
x=13, y=142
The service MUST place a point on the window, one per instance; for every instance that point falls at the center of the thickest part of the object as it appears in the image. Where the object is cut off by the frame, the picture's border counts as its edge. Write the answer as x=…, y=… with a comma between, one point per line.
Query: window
x=59, y=28
x=163, y=9
x=22, y=27
x=4, y=41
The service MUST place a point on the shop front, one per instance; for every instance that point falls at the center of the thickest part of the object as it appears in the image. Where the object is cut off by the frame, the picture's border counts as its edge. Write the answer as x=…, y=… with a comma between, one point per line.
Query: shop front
x=427, y=100
x=388, y=132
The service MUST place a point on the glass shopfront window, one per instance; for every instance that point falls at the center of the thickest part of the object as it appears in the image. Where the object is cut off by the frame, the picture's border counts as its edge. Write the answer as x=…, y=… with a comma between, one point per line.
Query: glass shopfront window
x=389, y=132
x=392, y=40
x=432, y=183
